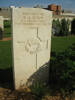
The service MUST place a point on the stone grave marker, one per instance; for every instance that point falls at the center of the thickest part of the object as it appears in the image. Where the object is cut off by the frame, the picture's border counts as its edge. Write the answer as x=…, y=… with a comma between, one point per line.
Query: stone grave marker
x=1, y=22
x=31, y=42
x=1, y=27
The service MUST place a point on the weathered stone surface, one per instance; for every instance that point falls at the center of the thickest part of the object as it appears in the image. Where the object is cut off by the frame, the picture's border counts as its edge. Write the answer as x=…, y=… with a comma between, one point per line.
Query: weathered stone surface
x=1, y=22
x=1, y=27
x=31, y=38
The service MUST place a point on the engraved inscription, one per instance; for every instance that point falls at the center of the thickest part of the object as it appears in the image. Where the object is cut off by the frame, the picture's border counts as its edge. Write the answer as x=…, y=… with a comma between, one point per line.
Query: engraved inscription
x=32, y=19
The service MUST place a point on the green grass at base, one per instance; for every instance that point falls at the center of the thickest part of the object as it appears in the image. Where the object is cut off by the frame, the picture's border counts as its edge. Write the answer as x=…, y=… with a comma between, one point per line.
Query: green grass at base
x=5, y=55
x=60, y=44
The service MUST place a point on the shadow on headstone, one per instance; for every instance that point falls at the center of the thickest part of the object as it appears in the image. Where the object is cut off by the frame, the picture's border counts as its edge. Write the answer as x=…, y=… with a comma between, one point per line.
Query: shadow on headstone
x=6, y=78
x=40, y=76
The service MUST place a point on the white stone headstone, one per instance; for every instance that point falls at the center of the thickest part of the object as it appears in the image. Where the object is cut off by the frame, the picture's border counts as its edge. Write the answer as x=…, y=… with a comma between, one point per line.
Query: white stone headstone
x=1, y=23
x=31, y=38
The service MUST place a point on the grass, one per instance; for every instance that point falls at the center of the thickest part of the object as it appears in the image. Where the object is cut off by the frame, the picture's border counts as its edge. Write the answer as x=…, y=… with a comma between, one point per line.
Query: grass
x=5, y=55
x=60, y=44
x=7, y=29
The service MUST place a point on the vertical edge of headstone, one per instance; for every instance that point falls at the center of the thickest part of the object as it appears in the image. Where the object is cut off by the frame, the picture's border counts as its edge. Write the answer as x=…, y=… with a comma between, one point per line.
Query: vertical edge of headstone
x=12, y=26
x=51, y=32
x=2, y=22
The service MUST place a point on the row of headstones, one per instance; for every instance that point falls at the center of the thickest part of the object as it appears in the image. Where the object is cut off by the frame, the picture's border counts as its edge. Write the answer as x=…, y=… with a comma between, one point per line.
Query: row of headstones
x=31, y=45
x=1, y=27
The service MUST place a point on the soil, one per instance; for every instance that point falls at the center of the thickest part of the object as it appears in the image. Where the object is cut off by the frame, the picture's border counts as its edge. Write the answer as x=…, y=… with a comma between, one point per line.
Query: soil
x=8, y=94
x=6, y=39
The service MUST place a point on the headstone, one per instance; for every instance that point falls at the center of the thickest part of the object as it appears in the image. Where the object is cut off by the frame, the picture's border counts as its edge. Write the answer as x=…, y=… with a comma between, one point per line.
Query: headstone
x=31, y=38
x=1, y=22
x=1, y=27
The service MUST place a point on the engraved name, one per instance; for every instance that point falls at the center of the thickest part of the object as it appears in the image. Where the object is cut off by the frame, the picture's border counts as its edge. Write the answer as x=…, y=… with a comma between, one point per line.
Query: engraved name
x=32, y=19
